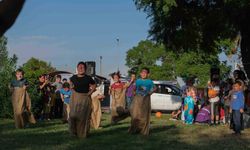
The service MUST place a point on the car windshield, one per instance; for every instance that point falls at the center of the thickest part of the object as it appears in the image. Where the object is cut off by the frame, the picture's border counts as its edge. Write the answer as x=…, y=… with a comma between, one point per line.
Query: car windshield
x=167, y=89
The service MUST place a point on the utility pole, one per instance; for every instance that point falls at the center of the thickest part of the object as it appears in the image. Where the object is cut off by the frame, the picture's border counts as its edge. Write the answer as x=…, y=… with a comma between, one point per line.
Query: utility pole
x=118, y=56
x=100, y=65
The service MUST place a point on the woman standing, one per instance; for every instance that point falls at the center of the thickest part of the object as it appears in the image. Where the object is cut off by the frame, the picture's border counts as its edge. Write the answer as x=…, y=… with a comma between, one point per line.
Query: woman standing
x=80, y=105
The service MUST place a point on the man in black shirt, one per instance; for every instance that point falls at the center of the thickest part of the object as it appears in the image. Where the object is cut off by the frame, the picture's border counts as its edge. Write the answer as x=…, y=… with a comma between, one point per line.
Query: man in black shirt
x=80, y=105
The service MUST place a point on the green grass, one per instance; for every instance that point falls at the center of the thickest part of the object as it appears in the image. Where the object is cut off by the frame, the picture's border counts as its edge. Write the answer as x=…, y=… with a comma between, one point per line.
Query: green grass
x=165, y=134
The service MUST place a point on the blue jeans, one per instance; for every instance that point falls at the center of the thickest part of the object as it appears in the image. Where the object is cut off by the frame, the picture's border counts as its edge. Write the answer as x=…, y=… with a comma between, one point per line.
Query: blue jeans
x=128, y=101
x=237, y=121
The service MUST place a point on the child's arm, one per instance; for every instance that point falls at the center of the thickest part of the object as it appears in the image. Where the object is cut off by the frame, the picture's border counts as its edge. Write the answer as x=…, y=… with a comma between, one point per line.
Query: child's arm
x=129, y=83
x=92, y=89
x=153, y=90
x=242, y=103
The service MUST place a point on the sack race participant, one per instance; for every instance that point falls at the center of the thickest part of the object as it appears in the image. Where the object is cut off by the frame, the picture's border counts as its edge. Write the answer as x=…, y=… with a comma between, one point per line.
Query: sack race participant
x=80, y=104
x=96, y=113
x=140, y=109
x=118, y=105
x=21, y=101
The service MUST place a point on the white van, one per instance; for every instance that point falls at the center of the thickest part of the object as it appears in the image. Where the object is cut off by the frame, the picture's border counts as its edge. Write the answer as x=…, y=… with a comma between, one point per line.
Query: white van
x=167, y=97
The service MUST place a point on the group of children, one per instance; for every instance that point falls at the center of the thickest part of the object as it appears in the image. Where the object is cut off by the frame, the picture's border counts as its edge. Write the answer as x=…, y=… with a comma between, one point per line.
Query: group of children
x=230, y=101
x=132, y=99
x=50, y=101
x=81, y=102
x=54, y=98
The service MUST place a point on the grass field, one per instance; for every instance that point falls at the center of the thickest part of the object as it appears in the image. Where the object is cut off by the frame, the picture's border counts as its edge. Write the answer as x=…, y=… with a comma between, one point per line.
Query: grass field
x=165, y=134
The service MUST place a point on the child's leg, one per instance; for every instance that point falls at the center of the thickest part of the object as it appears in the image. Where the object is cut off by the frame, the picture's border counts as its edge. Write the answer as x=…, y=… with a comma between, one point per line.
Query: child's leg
x=236, y=119
x=67, y=109
x=217, y=112
x=227, y=114
x=212, y=112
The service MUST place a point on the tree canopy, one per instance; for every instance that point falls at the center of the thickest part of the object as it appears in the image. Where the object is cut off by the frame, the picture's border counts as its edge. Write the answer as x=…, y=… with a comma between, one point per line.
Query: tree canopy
x=7, y=67
x=188, y=25
x=167, y=65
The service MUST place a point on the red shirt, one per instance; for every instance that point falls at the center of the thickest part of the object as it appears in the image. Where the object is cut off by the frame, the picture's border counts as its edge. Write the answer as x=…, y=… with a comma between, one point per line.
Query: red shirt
x=117, y=85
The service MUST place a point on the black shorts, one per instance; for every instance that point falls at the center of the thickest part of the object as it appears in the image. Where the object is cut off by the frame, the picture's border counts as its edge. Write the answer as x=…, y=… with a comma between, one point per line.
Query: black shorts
x=214, y=108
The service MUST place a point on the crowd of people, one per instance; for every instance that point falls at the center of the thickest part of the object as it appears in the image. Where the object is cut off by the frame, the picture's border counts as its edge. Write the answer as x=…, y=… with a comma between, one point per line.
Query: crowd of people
x=77, y=101
x=226, y=103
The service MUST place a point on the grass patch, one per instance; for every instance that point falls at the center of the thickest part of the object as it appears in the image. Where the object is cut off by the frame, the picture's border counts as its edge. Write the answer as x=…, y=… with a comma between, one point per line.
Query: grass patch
x=165, y=134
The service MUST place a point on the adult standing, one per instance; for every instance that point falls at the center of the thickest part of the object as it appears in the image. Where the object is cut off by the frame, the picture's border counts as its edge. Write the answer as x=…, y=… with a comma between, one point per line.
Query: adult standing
x=80, y=105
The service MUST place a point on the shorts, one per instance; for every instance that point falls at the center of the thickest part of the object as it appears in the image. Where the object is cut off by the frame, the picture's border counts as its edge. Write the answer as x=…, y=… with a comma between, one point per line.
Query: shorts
x=214, y=108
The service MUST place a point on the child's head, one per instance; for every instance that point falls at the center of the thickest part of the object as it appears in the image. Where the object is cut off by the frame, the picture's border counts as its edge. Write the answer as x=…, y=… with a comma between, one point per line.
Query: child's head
x=19, y=74
x=58, y=78
x=144, y=73
x=42, y=78
x=191, y=91
x=215, y=82
x=81, y=68
x=64, y=80
x=133, y=76
x=237, y=85
x=116, y=76
x=66, y=86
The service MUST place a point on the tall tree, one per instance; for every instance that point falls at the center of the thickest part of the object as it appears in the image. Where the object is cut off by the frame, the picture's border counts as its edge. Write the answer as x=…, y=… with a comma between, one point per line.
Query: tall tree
x=197, y=25
x=7, y=67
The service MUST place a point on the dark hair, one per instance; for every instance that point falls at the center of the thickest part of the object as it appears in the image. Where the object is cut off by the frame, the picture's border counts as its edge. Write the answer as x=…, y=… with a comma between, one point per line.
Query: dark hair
x=20, y=70
x=145, y=68
x=64, y=79
x=240, y=83
x=66, y=85
x=58, y=76
x=82, y=63
x=42, y=75
x=116, y=73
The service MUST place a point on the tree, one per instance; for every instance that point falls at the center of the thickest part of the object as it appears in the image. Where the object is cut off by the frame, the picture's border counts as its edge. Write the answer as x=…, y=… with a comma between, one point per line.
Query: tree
x=188, y=25
x=153, y=56
x=166, y=65
x=7, y=67
x=33, y=68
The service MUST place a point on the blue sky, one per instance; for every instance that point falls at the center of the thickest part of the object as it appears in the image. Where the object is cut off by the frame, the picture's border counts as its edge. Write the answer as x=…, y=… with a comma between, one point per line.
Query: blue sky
x=67, y=31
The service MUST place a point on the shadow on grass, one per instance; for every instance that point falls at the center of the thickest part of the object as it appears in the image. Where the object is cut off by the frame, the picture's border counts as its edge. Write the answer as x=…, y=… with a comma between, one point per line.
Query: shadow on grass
x=54, y=135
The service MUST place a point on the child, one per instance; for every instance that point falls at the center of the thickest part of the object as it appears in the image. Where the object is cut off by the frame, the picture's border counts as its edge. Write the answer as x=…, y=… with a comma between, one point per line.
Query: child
x=140, y=109
x=213, y=94
x=44, y=89
x=189, y=105
x=21, y=101
x=203, y=115
x=96, y=113
x=65, y=96
x=237, y=106
x=130, y=90
x=58, y=107
x=117, y=91
x=83, y=86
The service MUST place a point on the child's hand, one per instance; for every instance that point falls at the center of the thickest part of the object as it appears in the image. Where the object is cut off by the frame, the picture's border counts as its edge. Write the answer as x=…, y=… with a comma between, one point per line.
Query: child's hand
x=241, y=110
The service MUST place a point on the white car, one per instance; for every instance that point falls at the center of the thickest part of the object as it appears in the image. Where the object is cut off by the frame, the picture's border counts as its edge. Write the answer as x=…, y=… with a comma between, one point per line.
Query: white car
x=167, y=97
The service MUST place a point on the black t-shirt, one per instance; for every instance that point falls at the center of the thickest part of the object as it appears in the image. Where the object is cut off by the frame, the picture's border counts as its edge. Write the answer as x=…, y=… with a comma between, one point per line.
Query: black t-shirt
x=81, y=84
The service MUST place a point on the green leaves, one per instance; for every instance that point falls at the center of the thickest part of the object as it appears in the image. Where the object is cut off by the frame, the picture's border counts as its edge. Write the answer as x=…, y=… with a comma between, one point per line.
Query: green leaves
x=166, y=64
x=7, y=67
